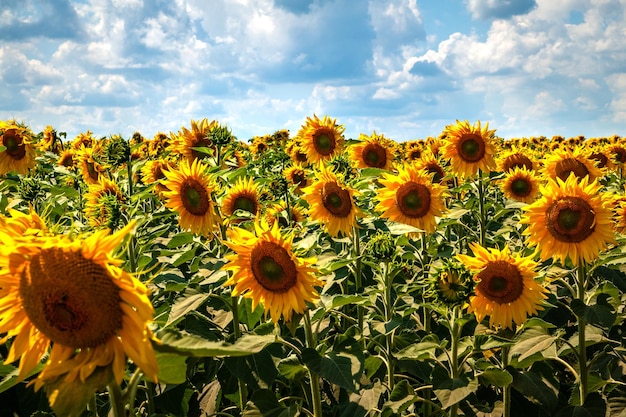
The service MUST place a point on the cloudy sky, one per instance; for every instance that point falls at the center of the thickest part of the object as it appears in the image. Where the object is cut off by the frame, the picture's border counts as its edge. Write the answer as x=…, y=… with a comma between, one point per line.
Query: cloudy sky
x=403, y=68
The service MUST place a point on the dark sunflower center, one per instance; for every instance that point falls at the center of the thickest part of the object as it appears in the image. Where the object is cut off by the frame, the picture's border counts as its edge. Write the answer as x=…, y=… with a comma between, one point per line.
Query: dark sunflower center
x=324, y=142
x=194, y=197
x=436, y=171
x=70, y=299
x=337, y=200
x=601, y=159
x=619, y=154
x=92, y=171
x=273, y=267
x=14, y=144
x=500, y=282
x=570, y=219
x=67, y=161
x=413, y=199
x=246, y=203
x=568, y=165
x=471, y=147
x=517, y=160
x=299, y=178
x=521, y=187
x=375, y=155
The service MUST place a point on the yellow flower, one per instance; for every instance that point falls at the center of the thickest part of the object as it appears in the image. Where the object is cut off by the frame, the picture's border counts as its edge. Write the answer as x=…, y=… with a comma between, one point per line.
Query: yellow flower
x=97, y=209
x=321, y=139
x=266, y=270
x=187, y=142
x=190, y=194
x=373, y=151
x=514, y=159
x=520, y=184
x=90, y=167
x=506, y=289
x=19, y=153
x=469, y=148
x=561, y=162
x=332, y=203
x=411, y=198
x=153, y=173
x=571, y=219
x=243, y=195
x=296, y=174
x=72, y=296
x=432, y=165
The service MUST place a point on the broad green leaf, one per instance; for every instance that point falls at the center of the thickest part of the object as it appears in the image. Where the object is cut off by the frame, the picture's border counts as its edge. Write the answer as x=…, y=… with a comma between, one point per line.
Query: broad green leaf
x=172, y=368
x=184, y=305
x=453, y=390
x=531, y=341
x=291, y=368
x=401, y=397
x=180, y=239
x=185, y=344
x=263, y=403
x=337, y=368
x=10, y=375
x=257, y=370
x=419, y=351
x=70, y=399
x=497, y=377
x=538, y=385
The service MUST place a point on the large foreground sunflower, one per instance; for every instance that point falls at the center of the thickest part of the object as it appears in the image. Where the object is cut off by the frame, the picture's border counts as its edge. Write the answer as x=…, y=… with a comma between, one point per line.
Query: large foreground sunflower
x=571, y=219
x=320, y=139
x=19, y=153
x=332, y=203
x=266, y=270
x=190, y=193
x=410, y=197
x=72, y=296
x=375, y=151
x=506, y=289
x=469, y=148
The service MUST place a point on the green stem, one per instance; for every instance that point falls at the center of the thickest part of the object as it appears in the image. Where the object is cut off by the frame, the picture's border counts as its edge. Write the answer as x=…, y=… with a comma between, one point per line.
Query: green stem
x=131, y=390
x=358, y=284
x=316, y=394
x=243, y=390
x=506, y=392
x=150, y=391
x=582, y=347
x=93, y=406
x=481, y=205
x=387, y=290
x=455, y=334
x=115, y=398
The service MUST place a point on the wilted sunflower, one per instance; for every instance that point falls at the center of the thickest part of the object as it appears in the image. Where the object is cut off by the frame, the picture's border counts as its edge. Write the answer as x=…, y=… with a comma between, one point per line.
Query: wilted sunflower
x=375, y=151
x=506, y=289
x=195, y=143
x=469, y=148
x=190, y=193
x=103, y=203
x=243, y=195
x=520, y=184
x=19, y=155
x=332, y=203
x=321, y=139
x=561, y=162
x=571, y=219
x=266, y=270
x=410, y=197
x=72, y=295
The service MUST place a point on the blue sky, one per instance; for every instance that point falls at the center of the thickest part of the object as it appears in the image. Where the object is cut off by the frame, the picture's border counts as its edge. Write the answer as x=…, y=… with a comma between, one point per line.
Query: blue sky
x=403, y=68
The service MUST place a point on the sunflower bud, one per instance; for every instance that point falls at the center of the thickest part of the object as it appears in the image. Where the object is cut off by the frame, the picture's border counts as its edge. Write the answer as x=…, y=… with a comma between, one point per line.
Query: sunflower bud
x=220, y=136
x=117, y=151
x=381, y=246
x=30, y=189
x=451, y=284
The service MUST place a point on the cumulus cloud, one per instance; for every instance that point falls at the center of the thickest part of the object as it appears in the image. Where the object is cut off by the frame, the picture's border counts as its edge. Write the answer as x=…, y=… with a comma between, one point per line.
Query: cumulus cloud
x=23, y=19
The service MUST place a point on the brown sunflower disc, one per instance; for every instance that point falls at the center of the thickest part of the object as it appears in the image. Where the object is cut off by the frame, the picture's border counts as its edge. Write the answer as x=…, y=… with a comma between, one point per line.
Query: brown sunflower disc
x=500, y=282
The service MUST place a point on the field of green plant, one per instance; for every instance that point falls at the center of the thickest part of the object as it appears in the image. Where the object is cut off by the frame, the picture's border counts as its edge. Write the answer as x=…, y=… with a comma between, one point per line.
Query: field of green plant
x=304, y=273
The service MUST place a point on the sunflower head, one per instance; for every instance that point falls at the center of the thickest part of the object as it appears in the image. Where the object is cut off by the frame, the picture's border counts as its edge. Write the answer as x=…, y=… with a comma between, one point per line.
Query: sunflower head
x=451, y=283
x=195, y=143
x=521, y=185
x=469, y=148
x=244, y=196
x=321, y=139
x=563, y=162
x=267, y=270
x=515, y=159
x=374, y=151
x=19, y=152
x=381, y=246
x=117, y=151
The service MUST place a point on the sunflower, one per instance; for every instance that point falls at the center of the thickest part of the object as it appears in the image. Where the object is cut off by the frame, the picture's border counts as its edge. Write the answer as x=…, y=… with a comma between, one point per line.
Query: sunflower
x=294, y=150
x=413, y=149
x=243, y=195
x=266, y=270
x=321, y=139
x=411, y=198
x=158, y=145
x=514, y=159
x=619, y=214
x=153, y=173
x=88, y=164
x=520, y=184
x=279, y=212
x=433, y=166
x=103, y=204
x=451, y=283
x=67, y=160
x=332, y=203
x=72, y=296
x=189, y=193
x=83, y=139
x=296, y=175
x=21, y=224
x=195, y=143
x=561, y=162
x=469, y=148
x=506, y=289
x=50, y=141
x=375, y=151
x=19, y=153
x=571, y=219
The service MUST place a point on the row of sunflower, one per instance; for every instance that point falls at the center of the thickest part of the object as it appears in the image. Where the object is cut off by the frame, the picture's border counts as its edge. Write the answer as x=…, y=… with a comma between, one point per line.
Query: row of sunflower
x=195, y=274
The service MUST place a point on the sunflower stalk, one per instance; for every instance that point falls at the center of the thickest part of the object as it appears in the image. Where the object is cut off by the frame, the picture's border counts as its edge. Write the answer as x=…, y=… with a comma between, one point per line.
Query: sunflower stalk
x=316, y=394
x=243, y=389
x=387, y=284
x=358, y=267
x=455, y=335
x=116, y=400
x=481, y=206
x=582, y=347
x=131, y=390
x=506, y=391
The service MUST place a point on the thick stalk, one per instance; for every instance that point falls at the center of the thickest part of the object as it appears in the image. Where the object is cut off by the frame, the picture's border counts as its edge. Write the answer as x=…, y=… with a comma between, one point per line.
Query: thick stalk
x=455, y=334
x=115, y=398
x=131, y=390
x=316, y=394
x=243, y=390
x=358, y=280
x=387, y=290
x=481, y=205
x=582, y=347
x=506, y=392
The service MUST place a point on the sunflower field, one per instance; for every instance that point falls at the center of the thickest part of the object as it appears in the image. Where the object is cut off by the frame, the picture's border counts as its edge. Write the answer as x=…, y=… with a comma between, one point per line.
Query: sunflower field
x=310, y=274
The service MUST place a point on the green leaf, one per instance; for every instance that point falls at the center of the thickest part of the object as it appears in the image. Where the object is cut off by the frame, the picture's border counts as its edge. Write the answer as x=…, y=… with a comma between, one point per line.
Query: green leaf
x=401, y=397
x=337, y=368
x=184, y=305
x=451, y=391
x=419, y=351
x=180, y=258
x=257, y=371
x=531, y=341
x=10, y=374
x=497, y=377
x=172, y=368
x=594, y=406
x=185, y=344
x=180, y=239
x=263, y=403
x=331, y=302
x=538, y=385
x=291, y=368
x=70, y=399
x=246, y=315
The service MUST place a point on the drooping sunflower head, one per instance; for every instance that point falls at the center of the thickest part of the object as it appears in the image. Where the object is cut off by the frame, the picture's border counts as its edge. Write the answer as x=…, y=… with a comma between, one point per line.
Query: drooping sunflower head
x=72, y=295
x=190, y=193
x=374, y=151
x=410, y=197
x=469, y=148
x=506, y=289
x=244, y=196
x=50, y=141
x=158, y=145
x=195, y=143
x=561, y=162
x=89, y=163
x=321, y=139
x=19, y=153
x=266, y=270
x=331, y=202
x=520, y=184
x=572, y=219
